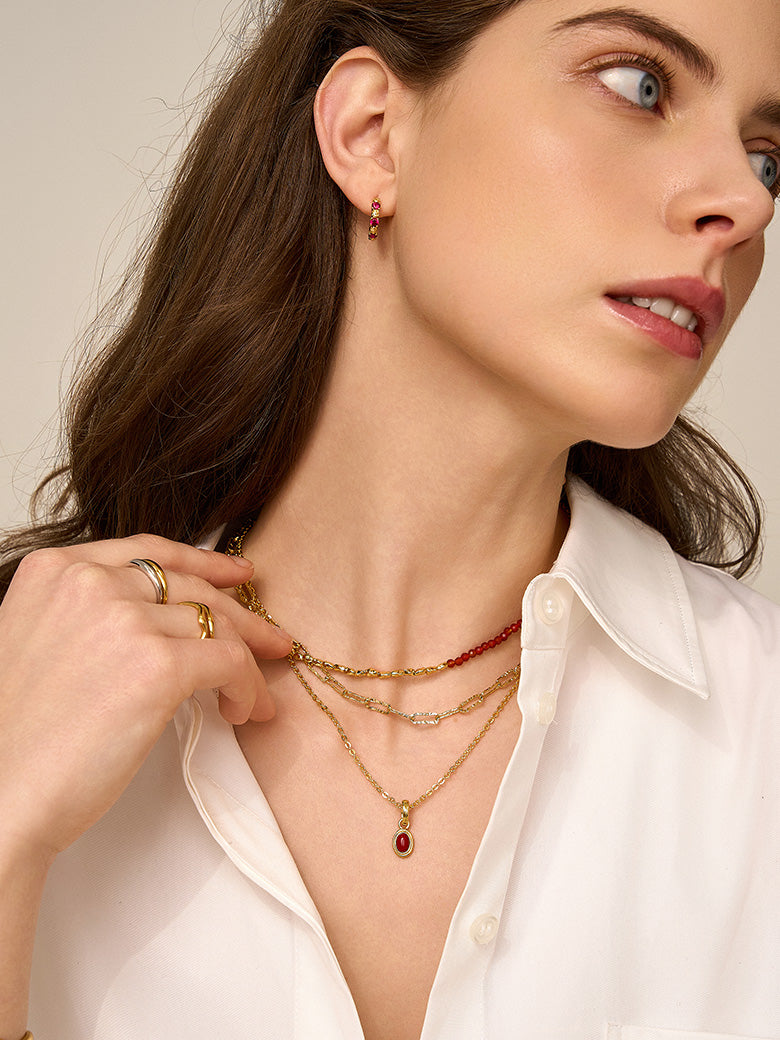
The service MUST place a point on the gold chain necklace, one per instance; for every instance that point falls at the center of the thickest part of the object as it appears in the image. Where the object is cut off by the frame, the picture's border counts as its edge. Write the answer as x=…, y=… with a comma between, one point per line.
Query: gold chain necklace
x=416, y=718
x=403, y=840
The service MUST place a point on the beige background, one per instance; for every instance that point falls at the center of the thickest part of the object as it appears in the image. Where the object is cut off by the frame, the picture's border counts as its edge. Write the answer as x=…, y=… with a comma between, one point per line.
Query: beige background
x=93, y=95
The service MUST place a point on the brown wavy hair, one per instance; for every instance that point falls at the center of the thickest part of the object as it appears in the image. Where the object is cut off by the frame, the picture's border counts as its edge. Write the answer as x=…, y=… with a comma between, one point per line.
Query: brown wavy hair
x=194, y=410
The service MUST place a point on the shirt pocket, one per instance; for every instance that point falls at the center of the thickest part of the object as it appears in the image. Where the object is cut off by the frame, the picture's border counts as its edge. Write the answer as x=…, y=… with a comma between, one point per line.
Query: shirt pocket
x=650, y=1033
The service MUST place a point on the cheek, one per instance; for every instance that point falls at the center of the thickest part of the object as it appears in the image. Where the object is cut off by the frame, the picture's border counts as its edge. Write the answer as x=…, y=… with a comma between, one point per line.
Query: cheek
x=493, y=204
x=516, y=192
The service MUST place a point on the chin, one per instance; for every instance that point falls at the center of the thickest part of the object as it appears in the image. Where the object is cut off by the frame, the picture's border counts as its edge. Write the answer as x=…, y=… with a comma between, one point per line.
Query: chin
x=639, y=430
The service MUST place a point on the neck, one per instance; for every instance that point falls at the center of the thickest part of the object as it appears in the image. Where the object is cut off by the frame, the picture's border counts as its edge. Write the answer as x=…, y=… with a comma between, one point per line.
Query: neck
x=415, y=518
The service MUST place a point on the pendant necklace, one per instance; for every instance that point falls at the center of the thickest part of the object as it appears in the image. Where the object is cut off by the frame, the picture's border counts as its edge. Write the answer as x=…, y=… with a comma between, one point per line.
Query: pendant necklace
x=403, y=840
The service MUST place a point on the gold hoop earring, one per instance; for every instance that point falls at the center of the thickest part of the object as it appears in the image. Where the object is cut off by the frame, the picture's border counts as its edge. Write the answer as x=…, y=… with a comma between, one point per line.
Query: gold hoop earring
x=373, y=223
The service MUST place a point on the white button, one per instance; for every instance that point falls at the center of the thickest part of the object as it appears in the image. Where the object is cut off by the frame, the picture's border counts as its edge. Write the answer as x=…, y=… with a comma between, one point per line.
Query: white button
x=550, y=607
x=545, y=711
x=484, y=929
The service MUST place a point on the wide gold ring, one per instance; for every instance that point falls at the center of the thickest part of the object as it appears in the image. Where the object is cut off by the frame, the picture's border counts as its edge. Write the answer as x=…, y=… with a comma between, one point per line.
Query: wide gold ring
x=156, y=576
x=205, y=618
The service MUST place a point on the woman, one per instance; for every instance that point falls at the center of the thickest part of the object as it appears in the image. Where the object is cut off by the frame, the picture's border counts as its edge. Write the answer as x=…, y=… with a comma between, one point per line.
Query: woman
x=366, y=352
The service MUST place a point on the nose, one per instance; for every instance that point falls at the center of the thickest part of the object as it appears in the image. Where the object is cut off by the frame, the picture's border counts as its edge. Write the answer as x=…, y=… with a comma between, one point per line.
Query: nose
x=716, y=194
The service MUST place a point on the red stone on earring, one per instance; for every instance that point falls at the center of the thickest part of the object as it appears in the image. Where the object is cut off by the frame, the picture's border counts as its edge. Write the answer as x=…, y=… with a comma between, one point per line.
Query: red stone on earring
x=373, y=224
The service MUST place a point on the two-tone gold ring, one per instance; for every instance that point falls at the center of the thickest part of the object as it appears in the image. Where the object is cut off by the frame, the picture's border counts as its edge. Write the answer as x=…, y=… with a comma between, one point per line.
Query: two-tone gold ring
x=156, y=575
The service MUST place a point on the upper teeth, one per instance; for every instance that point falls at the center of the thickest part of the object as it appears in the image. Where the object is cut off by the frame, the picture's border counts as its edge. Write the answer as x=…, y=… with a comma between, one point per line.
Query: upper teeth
x=666, y=308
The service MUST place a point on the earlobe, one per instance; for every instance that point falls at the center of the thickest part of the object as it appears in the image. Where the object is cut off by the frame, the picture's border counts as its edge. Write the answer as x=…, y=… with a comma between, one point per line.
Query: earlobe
x=357, y=106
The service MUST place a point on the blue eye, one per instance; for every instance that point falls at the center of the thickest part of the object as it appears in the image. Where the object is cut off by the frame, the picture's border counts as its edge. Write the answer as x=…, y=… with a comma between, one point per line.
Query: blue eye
x=765, y=168
x=638, y=86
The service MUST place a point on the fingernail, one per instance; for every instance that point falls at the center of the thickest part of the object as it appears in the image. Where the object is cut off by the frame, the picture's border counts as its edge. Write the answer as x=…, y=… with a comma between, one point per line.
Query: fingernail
x=243, y=562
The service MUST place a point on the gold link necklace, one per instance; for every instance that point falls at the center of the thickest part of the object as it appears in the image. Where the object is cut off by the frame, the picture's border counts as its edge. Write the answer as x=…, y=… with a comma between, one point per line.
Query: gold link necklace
x=416, y=718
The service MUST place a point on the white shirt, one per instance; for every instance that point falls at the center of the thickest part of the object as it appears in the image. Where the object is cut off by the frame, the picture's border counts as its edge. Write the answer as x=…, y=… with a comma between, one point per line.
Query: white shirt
x=626, y=887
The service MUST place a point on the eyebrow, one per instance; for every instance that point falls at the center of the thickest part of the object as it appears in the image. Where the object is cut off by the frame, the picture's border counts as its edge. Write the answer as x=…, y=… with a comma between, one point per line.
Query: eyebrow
x=694, y=57
x=768, y=111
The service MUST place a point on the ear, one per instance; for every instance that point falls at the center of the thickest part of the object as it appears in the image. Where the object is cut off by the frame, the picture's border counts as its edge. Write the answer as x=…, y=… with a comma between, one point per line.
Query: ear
x=358, y=108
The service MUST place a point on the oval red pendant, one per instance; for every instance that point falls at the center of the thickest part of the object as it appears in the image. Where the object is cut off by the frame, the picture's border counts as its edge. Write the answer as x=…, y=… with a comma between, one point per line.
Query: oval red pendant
x=403, y=843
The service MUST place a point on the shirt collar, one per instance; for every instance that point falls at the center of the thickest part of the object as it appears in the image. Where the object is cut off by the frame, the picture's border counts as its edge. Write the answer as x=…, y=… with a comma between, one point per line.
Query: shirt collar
x=631, y=582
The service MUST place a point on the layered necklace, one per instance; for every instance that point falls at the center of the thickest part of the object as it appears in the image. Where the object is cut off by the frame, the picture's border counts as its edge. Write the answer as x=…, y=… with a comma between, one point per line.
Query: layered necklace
x=325, y=672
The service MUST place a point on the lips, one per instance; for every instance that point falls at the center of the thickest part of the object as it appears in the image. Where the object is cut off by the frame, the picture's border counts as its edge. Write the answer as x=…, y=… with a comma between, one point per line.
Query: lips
x=706, y=302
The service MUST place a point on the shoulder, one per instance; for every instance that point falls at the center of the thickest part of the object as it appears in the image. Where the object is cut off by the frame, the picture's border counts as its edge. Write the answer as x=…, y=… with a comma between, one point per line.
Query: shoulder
x=733, y=620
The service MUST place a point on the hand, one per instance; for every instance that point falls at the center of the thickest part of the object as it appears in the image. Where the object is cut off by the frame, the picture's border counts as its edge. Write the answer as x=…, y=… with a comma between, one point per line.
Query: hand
x=92, y=669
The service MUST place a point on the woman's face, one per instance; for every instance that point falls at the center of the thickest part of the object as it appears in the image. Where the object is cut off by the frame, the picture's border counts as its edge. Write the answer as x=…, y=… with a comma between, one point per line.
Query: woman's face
x=584, y=152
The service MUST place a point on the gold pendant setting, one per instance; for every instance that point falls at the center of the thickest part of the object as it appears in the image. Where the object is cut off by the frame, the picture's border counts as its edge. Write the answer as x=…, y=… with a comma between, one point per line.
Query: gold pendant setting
x=403, y=839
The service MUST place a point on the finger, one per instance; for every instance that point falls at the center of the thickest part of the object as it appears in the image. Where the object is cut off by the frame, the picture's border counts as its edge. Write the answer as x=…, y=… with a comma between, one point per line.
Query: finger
x=234, y=673
x=229, y=668
x=217, y=568
x=263, y=709
x=244, y=698
x=266, y=641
